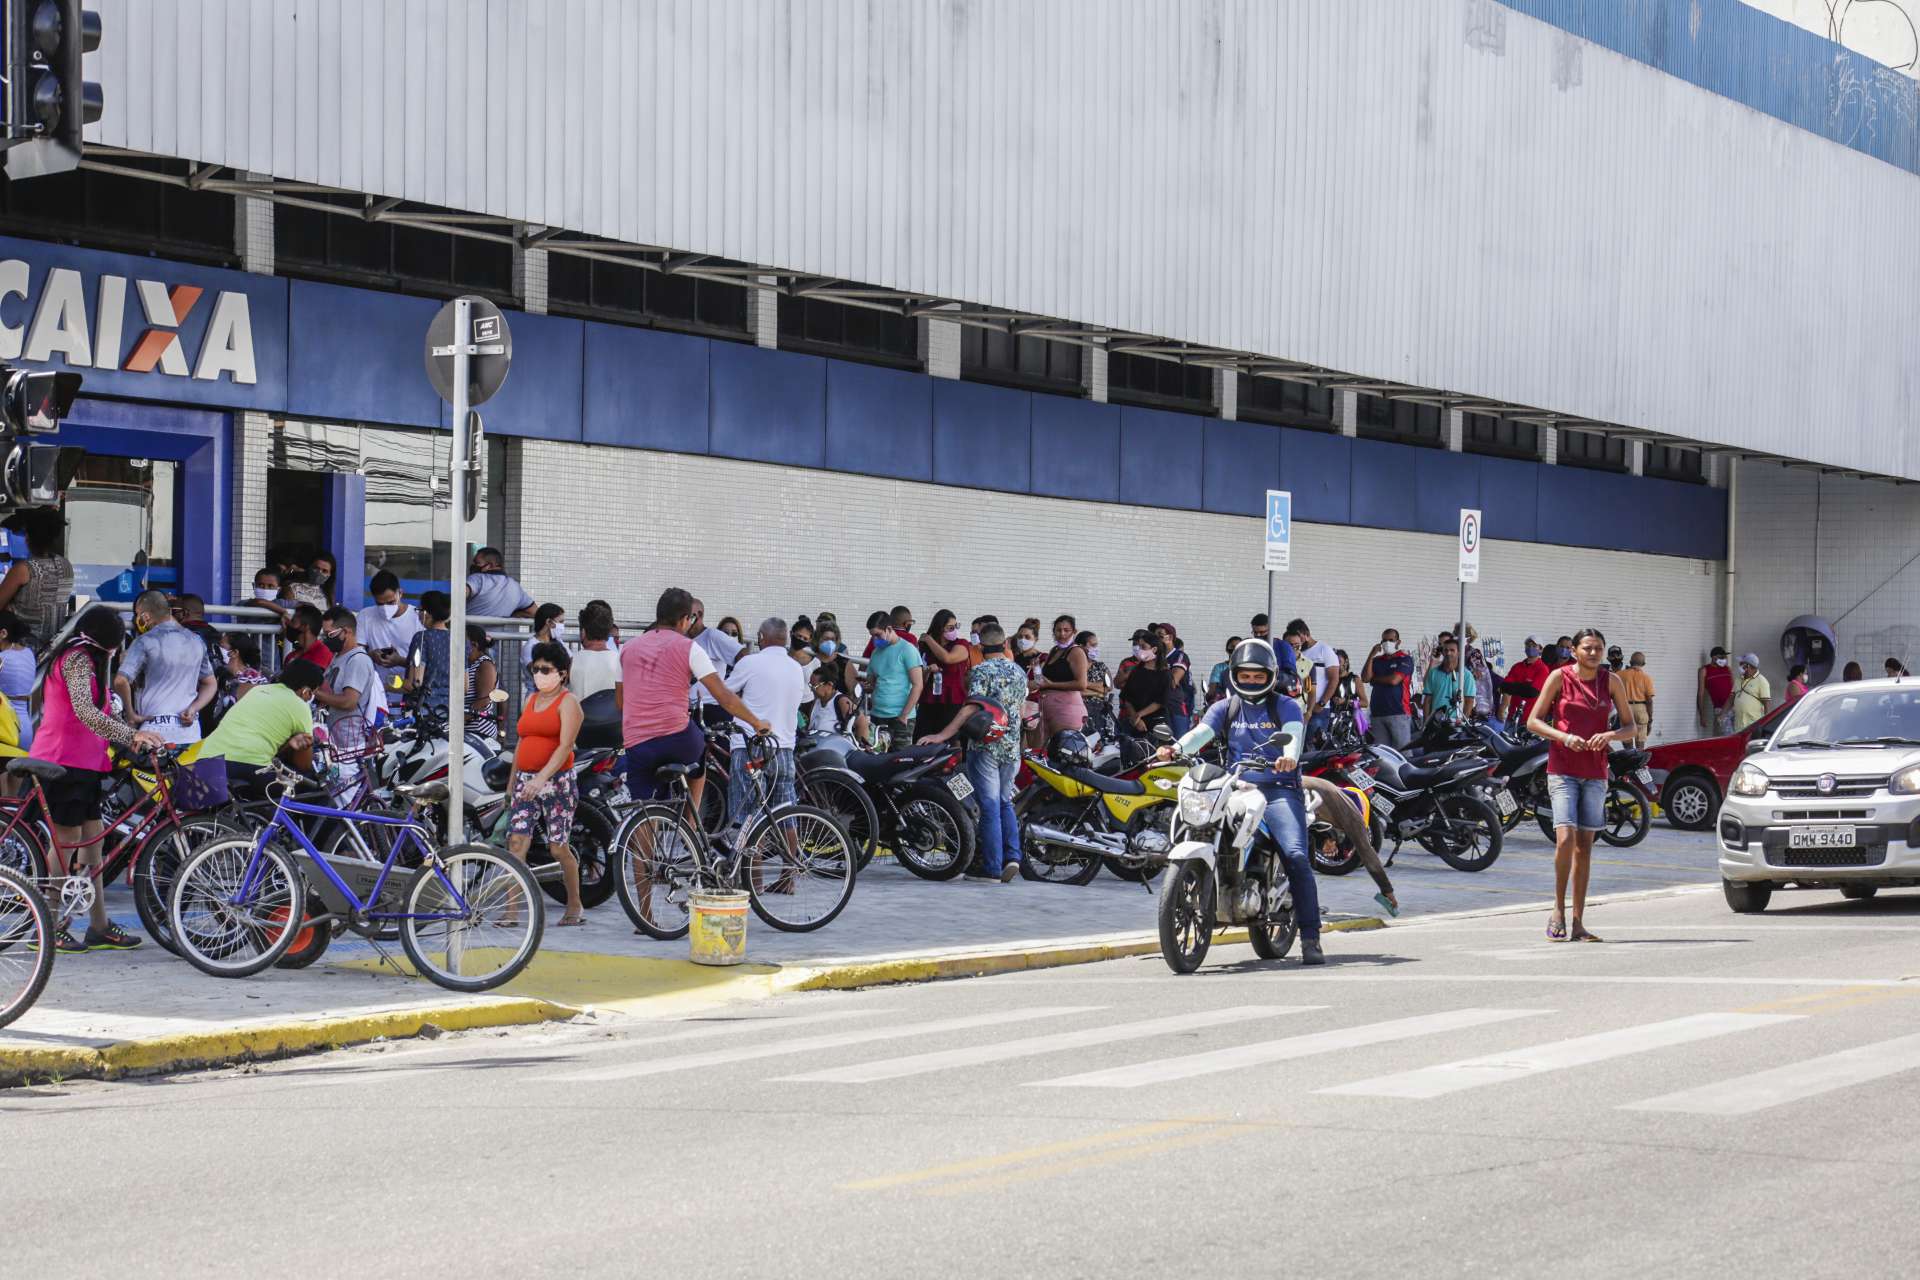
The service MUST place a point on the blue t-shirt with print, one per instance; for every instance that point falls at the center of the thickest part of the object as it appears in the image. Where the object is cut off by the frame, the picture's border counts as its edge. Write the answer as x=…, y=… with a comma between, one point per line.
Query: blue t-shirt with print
x=891, y=683
x=1247, y=736
x=1391, y=699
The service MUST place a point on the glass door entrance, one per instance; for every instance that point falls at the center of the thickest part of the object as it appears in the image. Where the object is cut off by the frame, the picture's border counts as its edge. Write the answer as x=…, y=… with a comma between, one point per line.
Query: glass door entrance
x=121, y=527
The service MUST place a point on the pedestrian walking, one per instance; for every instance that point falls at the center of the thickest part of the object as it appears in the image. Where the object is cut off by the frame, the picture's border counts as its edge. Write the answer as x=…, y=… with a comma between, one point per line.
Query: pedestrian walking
x=166, y=680
x=75, y=732
x=772, y=686
x=387, y=626
x=596, y=663
x=545, y=794
x=1714, y=697
x=1061, y=690
x=1388, y=675
x=1639, y=687
x=39, y=588
x=491, y=593
x=897, y=676
x=944, y=649
x=1751, y=693
x=992, y=767
x=1573, y=714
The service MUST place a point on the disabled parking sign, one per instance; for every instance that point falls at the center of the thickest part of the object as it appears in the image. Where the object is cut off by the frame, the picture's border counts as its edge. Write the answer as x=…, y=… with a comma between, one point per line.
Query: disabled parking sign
x=1279, y=530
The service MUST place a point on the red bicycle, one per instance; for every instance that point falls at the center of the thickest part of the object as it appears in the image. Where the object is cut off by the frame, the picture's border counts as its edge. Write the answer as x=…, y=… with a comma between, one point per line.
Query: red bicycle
x=151, y=840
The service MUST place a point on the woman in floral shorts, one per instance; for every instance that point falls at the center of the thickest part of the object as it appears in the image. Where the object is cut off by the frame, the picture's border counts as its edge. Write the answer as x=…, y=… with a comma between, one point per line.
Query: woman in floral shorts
x=544, y=792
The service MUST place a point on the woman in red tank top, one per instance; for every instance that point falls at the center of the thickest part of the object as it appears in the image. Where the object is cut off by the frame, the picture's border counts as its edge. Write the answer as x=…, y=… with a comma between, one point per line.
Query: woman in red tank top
x=1575, y=713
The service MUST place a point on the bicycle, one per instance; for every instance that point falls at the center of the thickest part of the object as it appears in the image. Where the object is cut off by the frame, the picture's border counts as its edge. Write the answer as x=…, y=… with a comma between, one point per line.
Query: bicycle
x=786, y=853
x=26, y=944
x=469, y=917
x=154, y=840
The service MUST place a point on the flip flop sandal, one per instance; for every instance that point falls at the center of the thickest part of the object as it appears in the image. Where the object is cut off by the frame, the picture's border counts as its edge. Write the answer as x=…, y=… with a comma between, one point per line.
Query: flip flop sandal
x=1556, y=929
x=1581, y=935
x=564, y=923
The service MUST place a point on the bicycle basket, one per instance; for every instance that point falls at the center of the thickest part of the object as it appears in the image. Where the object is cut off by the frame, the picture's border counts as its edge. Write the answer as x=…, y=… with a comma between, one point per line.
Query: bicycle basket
x=200, y=785
x=351, y=738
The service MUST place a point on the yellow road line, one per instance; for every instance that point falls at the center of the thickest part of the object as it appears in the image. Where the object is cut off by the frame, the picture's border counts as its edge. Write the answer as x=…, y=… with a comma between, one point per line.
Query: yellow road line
x=1076, y=1164
x=983, y=1163
x=1838, y=998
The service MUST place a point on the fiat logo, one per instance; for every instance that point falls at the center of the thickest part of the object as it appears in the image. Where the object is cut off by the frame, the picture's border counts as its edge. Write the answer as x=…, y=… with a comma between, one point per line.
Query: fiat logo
x=1826, y=784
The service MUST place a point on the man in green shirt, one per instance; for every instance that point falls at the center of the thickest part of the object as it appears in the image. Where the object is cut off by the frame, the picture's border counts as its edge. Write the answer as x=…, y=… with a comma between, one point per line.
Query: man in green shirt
x=273, y=720
x=1444, y=686
x=898, y=677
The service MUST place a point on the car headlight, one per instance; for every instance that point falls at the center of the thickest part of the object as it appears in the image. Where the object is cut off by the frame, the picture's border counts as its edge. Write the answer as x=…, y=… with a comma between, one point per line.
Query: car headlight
x=1748, y=781
x=1906, y=782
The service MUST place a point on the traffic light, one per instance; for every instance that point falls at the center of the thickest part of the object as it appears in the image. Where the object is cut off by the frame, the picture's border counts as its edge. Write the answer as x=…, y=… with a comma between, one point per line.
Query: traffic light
x=49, y=100
x=32, y=403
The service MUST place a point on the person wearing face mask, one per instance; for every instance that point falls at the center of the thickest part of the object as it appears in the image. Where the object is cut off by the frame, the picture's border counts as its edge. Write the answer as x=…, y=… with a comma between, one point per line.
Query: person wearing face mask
x=266, y=594
x=323, y=575
x=1529, y=673
x=730, y=628
x=352, y=684
x=75, y=732
x=274, y=720
x=898, y=678
x=1143, y=693
x=1101, y=721
x=1714, y=697
x=833, y=657
x=548, y=624
x=167, y=677
x=483, y=677
x=656, y=669
x=948, y=660
x=295, y=584
x=1388, y=675
x=490, y=592
x=545, y=794
x=1639, y=686
x=387, y=626
x=303, y=636
x=1062, y=686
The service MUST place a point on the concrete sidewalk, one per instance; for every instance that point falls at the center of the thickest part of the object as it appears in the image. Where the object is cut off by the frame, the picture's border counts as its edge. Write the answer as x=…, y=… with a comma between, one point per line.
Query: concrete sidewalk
x=111, y=1014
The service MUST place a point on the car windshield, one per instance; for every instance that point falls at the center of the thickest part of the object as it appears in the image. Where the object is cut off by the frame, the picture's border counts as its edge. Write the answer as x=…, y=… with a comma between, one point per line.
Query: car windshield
x=1849, y=716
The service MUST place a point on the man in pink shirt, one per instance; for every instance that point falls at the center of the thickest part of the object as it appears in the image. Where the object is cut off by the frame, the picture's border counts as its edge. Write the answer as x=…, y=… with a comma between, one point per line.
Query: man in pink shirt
x=657, y=667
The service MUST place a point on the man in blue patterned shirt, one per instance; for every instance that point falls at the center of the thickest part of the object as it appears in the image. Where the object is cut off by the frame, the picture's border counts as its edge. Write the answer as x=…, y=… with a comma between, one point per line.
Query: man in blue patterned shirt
x=993, y=766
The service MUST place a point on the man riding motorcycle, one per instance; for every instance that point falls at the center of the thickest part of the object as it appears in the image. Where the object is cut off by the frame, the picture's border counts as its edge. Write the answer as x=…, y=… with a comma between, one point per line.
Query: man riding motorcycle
x=1256, y=711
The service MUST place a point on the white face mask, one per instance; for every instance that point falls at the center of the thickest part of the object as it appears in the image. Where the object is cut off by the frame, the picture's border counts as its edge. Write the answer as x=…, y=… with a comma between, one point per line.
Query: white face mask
x=1026, y=644
x=265, y=593
x=974, y=637
x=1143, y=653
x=1093, y=651
x=1719, y=662
x=393, y=610
x=546, y=681
x=559, y=633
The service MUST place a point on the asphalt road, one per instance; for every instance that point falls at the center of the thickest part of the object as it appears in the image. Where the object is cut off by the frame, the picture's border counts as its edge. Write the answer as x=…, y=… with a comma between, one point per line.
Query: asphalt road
x=1704, y=1094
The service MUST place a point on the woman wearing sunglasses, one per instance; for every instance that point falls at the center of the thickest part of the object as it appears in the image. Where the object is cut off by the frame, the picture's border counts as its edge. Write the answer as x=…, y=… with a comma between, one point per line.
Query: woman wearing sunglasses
x=544, y=792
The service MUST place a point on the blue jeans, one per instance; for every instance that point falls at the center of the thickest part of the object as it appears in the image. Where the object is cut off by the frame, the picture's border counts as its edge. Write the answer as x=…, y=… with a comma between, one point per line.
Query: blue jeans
x=1578, y=802
x=999, y=828
x=1286, y=822
x=741, y=804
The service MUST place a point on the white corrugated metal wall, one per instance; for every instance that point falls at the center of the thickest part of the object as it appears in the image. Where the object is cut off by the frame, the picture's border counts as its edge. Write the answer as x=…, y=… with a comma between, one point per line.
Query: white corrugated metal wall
x=1381, y=187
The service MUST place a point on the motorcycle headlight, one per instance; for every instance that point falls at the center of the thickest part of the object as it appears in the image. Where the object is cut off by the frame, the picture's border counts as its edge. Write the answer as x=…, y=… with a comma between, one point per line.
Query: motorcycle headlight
x=1196, y=807
x=1748, y=781
x=1906, y=782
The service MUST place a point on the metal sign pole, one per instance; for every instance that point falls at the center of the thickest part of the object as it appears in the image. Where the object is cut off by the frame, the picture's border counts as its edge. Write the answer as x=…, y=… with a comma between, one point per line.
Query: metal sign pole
x=456, y=577
x=1460, y=676
x=1271, y=627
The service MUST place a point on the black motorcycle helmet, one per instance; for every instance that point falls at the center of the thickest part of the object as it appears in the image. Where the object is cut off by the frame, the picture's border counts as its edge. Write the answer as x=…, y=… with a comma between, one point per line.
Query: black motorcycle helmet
x=1068, y=748
x=1253, y=671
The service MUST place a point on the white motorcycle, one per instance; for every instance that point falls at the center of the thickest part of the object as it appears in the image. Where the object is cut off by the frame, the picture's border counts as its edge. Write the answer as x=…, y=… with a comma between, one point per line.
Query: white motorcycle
x=1209, y=884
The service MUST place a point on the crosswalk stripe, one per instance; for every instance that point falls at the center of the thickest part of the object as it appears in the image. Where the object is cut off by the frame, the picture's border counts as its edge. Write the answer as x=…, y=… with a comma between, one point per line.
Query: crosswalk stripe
x=1002, y=1051
x=807, y=1044
x=1253, y=1055
x=1791, y=1083
x=1495, y=1068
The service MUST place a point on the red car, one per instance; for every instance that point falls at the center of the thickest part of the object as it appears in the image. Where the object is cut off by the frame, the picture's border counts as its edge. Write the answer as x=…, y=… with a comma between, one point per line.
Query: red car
x=1692, y=776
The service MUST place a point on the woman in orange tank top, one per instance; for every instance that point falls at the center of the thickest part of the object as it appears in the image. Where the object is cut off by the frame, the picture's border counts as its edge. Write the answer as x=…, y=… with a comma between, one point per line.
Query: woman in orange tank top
x=544, y=793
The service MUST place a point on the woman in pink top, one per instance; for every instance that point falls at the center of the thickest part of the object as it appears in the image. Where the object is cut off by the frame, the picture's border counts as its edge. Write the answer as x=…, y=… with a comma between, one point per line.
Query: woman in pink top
x=657, y=668
x=74, y=732
x=1575, y=711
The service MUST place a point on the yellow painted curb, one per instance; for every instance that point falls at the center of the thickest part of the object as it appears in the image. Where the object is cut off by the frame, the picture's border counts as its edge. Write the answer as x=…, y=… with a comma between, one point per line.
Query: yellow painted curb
x=191, y=1049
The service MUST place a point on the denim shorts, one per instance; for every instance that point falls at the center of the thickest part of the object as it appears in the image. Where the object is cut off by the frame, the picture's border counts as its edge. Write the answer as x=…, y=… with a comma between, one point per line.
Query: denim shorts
x=1578, y=802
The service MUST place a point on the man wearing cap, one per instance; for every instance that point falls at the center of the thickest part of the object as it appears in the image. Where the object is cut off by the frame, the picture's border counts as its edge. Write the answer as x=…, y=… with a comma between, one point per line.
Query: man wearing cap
x=1639, y=686
x=1715, y=696
x=1751, y=694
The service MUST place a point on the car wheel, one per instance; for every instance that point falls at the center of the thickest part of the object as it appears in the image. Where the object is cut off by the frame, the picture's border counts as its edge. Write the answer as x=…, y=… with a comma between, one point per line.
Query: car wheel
x=1690, y=801
x=1858, y=892
x=1746, y=896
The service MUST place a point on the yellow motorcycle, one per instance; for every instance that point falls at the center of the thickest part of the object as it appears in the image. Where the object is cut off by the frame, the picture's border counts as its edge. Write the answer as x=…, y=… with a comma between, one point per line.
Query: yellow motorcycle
x=1074, y=819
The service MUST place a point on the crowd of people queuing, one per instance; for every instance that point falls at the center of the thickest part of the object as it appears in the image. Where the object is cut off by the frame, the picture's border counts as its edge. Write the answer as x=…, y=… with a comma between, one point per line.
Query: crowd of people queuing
x=178, y=680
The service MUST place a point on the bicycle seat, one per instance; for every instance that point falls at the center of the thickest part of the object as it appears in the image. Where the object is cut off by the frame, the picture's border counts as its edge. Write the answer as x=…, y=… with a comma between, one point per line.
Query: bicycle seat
x=668, y=772
x=1105, y=785
x=27, y=767
x=425, y=793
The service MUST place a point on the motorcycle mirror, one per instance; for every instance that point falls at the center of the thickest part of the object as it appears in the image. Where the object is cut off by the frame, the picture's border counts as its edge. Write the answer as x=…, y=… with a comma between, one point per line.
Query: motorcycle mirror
x=1280, y=740
x=1162, y=733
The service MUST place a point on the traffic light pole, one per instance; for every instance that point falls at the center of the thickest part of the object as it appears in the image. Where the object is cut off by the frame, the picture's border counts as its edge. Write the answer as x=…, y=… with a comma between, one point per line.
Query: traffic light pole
x=463, y=352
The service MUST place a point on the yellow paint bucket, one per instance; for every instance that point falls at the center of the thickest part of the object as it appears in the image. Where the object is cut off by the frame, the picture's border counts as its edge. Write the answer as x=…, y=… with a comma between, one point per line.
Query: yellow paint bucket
x=718, y=932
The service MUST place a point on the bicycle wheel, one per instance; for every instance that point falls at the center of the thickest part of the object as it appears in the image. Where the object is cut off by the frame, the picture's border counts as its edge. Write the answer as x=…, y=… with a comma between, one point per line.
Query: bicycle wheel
x=654, y=856
x=851, y=807
x=592, y=843
x=24, y=849
x=486, y=917
x=166, y=851
x=231, y=924
x=26, y=944
x=800, y=868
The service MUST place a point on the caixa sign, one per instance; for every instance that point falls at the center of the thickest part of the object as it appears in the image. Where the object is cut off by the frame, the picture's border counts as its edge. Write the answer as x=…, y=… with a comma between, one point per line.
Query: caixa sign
x=144, y=327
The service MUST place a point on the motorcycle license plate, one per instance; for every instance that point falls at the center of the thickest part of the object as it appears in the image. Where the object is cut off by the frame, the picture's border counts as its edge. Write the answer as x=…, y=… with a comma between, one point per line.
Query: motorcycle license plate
x=1364, y=781
x=1503, y=801
x=960, y=787
x=1644, y=775
x=1381, y=805
x=1821, y=838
